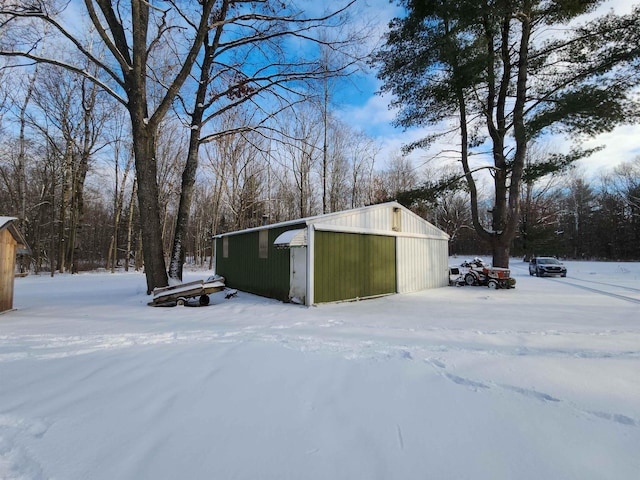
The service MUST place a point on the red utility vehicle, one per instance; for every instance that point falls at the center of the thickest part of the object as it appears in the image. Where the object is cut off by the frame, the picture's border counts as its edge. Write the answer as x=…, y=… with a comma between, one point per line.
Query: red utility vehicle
x=478, y=273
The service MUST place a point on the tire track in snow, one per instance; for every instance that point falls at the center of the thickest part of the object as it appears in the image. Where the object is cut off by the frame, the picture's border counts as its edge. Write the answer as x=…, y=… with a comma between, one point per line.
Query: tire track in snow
x=530, y=393
x=616, y=417
x=477, y=386
x=623, y=287
x=569, y=280
x=595, y=290
x=49, y=347
x=400, y=438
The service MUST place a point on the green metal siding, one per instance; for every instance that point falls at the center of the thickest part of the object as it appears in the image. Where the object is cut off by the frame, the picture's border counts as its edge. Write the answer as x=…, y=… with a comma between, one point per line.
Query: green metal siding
x=349, y=265
x=244, y=270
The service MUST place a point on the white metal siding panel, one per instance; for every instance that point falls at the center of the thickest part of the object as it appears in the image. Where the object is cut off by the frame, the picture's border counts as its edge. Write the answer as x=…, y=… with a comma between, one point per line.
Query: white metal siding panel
x=310, y=265
x=440, y=264
x=422, y=263
x=413, y=224
x=378, y=219
x=372, y=218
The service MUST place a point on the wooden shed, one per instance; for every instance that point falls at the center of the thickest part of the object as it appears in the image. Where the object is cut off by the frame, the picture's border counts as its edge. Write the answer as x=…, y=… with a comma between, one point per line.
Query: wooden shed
x=11, y=241
x=360, y=253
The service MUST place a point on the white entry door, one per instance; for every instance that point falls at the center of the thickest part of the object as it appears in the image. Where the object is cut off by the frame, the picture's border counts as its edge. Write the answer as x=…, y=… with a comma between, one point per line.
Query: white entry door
x=298, y=289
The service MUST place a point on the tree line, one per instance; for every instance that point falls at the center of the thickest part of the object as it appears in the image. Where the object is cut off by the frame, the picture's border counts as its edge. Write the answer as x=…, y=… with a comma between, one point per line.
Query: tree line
x=67, y=171
x=567, y=214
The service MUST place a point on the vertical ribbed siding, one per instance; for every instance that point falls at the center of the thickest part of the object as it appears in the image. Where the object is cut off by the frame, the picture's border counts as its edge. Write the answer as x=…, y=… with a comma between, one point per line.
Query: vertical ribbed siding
x=244, y=270
x=371, y=218
x=7, y=265
x=422, y=264
x=439, y=269
x=412, y=223
x=348, y=266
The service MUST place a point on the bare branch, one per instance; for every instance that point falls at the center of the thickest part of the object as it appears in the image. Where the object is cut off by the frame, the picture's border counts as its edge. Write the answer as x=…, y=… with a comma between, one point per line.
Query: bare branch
x=72, y=68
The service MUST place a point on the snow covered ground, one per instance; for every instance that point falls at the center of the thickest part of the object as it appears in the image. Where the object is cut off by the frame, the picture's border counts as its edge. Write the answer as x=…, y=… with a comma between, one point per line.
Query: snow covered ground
x=540, y=382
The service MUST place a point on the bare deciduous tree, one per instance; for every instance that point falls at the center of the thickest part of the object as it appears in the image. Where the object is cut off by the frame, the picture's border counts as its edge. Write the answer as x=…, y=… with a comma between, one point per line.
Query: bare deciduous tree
x=130, y=34
x=247, y=61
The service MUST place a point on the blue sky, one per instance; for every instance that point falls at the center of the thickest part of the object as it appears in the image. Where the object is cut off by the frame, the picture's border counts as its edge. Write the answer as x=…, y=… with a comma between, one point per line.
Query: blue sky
x=361, y=108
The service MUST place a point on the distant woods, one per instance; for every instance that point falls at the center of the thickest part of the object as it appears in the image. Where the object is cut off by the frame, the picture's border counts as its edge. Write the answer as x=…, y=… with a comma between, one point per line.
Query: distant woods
x=568, y=214
x=67, y=172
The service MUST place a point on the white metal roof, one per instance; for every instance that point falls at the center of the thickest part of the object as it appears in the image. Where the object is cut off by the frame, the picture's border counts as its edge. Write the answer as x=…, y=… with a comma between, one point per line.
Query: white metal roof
x=370, y=219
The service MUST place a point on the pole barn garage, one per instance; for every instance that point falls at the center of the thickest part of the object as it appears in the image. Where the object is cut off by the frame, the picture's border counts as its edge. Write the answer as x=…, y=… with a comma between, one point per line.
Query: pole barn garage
x=11, y=242
x=354, y=254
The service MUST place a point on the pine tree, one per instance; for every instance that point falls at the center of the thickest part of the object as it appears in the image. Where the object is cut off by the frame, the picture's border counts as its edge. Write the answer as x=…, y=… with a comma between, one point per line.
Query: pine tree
x=484, y=66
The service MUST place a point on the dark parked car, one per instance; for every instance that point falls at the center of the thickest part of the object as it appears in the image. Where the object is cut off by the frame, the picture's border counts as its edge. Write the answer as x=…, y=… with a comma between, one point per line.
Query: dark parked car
x=543, y=266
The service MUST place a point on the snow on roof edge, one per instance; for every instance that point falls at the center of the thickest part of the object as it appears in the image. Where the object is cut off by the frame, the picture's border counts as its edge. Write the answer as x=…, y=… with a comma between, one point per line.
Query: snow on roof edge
x=305, y=220
x=7, y=222
x=315, y=218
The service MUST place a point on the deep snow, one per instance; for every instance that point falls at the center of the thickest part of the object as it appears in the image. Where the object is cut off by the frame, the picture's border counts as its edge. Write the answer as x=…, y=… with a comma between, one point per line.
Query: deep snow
x=542, y=381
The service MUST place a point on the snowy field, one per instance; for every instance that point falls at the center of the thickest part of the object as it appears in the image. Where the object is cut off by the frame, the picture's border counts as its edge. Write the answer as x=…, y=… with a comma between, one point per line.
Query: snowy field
x=539, y=382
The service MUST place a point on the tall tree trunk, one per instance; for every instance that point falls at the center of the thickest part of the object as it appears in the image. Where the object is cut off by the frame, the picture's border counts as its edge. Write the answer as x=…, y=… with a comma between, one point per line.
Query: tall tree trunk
x=65, y=200
x=74, y=225
x=325, y=146
x=508, y=177
x=77, y=203
x=118, y=203
x=191, y=166
x=217, y=199
x=116, y=220
x=52, y=231
x=150, y=226
x=22, y=152
x=89, y=93
x=184, y=208
x=22, y=160
x=139, y=255
x=130, y=223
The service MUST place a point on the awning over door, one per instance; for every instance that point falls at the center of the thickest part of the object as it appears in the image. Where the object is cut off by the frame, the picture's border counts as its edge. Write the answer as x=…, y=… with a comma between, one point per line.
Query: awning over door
x=291, y=238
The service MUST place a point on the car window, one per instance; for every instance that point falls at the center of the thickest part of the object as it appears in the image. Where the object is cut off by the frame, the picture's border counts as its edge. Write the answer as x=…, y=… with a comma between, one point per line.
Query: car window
x=548, y=261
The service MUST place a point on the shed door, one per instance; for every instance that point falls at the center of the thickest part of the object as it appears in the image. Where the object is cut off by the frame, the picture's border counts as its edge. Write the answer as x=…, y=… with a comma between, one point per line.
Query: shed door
x=8, y=247
x=349, y=265
x=298, y=273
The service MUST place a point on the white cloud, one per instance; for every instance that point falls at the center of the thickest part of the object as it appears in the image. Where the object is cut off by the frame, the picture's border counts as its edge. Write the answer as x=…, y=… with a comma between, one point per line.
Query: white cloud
x=621, y=7
x=374, y=116
x=620, y=145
